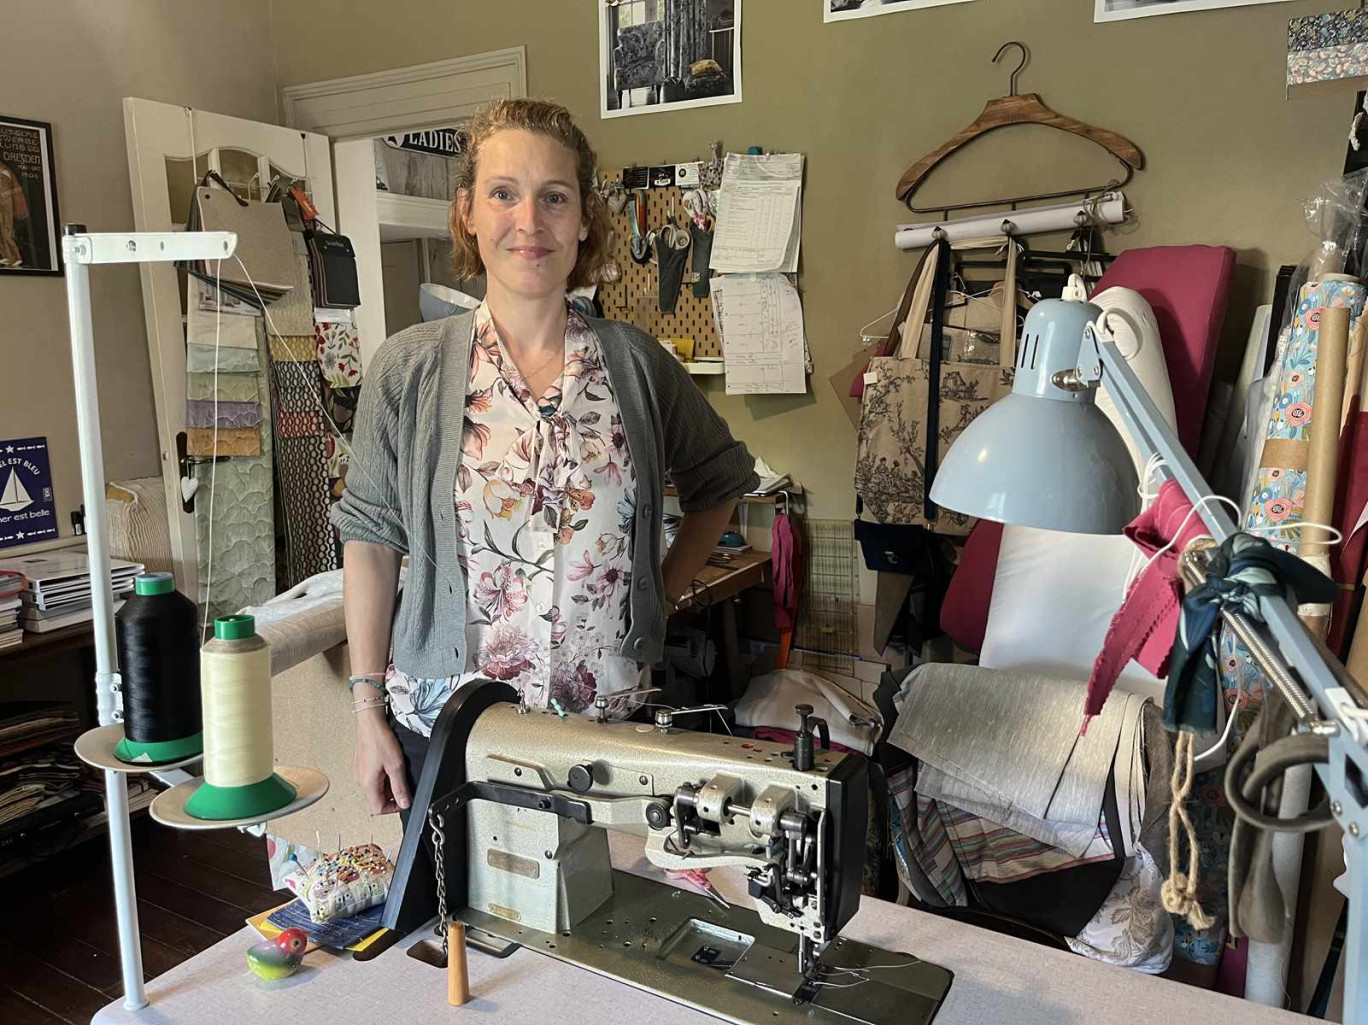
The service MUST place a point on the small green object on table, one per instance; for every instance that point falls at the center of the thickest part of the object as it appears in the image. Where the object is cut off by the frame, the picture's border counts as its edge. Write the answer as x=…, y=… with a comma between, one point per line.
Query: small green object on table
x=278, y=958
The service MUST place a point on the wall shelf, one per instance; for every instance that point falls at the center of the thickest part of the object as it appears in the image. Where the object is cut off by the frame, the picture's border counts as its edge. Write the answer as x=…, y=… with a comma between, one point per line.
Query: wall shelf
x=672, y=492
x=403, y=218
x=705, y=367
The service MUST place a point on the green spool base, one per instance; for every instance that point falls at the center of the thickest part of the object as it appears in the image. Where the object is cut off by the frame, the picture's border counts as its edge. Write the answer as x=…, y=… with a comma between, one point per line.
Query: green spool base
x=155, y=753
x=255, y=800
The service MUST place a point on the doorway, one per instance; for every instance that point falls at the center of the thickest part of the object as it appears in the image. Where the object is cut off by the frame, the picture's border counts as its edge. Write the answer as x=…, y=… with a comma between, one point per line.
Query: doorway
x=356, y=111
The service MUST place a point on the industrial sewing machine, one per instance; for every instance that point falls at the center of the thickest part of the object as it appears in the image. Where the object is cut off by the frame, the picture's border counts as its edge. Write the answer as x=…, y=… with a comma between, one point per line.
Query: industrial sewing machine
x=508, y=832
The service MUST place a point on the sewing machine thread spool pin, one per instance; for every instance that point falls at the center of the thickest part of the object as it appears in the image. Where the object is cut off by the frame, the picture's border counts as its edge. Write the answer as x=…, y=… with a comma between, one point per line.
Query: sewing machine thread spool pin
x=802, y=742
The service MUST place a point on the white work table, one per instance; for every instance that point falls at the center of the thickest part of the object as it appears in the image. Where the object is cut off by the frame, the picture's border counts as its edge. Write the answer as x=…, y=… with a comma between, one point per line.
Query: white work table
x=997, y=979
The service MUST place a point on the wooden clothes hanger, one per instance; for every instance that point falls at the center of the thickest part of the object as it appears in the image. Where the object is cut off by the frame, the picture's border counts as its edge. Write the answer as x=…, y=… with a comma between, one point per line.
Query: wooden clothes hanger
x=1019, y=109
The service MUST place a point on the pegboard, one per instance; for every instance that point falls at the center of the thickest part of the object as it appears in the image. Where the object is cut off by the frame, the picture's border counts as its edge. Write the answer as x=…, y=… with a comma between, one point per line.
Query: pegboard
x=635, y=297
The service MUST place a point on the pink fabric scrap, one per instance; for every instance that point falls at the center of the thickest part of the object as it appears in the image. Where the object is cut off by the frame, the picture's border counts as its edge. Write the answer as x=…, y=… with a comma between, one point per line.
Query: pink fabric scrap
x=1147, y=621
x=786, y=563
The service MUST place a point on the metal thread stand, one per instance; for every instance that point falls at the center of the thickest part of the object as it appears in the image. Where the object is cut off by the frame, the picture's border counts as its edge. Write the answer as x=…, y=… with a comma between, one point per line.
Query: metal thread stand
x=80, y=250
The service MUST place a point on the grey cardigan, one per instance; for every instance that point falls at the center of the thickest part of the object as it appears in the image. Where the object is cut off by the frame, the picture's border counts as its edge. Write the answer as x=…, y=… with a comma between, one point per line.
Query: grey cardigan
x=407, y=446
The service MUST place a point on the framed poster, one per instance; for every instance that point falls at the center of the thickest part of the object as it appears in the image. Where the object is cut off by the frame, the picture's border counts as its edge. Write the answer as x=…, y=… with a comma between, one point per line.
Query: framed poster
x=28, y=511
x=844, y=10
x=657, y=55
x=1123, y=10
x=29, y=242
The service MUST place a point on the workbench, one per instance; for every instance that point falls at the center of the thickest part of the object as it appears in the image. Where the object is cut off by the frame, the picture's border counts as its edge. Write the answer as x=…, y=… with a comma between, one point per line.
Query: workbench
x=997, y=980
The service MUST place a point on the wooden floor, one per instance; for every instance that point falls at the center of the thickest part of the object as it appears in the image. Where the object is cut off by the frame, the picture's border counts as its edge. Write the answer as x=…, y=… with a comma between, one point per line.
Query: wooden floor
x=59, y=953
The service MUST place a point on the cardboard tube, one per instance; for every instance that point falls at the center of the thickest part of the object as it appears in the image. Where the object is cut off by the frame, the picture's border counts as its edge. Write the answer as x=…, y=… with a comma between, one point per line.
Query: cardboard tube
x=1353, y=375
x=1332, y=348
x=458, y=972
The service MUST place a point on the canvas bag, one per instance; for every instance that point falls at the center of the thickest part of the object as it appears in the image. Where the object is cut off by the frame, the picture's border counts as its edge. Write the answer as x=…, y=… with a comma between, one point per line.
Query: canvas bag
x=910, y=398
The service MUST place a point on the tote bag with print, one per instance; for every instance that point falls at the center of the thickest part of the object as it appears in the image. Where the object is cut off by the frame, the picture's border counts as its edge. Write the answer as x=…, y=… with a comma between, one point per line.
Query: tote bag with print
x=916, y=403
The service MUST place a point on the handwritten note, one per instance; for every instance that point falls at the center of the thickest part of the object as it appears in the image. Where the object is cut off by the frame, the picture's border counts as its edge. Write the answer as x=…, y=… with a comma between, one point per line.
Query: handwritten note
x=760, y=321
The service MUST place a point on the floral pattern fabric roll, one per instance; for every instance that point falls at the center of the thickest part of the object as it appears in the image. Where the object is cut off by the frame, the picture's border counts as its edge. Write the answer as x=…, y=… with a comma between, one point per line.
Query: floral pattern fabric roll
x=1279, y=492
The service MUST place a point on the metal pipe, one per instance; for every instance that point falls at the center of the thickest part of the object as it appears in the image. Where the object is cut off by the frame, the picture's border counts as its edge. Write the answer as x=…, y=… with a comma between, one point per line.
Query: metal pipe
x=102, y=602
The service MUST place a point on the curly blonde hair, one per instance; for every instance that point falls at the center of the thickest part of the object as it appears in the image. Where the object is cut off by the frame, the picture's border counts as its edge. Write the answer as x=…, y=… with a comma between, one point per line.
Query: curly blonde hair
x=541, y=117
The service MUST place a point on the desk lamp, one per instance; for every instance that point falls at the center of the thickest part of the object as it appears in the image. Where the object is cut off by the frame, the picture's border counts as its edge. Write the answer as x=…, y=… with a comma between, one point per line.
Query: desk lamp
x=1046, y=456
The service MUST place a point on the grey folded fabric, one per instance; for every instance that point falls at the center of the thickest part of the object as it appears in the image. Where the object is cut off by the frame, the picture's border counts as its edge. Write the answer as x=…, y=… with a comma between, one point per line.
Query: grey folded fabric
x=1005, y=745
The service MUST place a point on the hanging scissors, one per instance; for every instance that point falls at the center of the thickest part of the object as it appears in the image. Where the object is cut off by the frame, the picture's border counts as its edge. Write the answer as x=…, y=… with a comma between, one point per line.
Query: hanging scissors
x=671, y=234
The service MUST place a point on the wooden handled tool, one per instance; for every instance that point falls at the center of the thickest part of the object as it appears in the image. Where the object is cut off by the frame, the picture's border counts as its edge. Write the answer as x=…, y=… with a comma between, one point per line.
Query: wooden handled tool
x=458, y=973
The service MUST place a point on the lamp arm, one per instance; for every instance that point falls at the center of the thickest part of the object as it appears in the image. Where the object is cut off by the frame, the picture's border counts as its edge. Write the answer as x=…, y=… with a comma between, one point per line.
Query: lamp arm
x=1150, y=432
x=1312, y=666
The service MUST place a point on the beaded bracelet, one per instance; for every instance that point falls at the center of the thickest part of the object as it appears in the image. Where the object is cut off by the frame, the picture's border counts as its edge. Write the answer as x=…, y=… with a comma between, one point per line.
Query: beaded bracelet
x=365, y=703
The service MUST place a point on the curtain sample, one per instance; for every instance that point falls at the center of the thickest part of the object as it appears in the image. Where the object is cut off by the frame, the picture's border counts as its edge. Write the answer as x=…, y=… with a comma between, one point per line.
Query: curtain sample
x=206, y=358
x=200, y=441
x=243, y=544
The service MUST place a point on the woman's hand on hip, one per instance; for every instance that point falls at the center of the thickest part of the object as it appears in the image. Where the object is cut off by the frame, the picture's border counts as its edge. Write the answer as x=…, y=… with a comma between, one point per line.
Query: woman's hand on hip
x=379, y=764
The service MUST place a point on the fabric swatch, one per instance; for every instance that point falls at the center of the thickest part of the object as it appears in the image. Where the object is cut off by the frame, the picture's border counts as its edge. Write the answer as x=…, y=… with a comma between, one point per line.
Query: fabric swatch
x=224, y=387
x=201, y=413
x=240, y=547
x=301, y=467
x=292, y=348
x=204, y=359
x=336, y=459
x=299, y=425
x=303, y=483
x=341, y=406
x=199, y=441
x=339, y=353
x=232, y=331
x=292, y=314
x=294, y=398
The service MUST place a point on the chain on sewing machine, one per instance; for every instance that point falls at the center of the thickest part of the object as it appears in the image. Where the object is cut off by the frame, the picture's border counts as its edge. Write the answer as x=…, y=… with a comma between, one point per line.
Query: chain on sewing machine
x=439, y=860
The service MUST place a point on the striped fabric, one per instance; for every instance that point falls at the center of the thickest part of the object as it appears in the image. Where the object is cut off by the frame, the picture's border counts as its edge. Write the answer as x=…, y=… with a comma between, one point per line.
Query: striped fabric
x=925, y=861
x=990, y=853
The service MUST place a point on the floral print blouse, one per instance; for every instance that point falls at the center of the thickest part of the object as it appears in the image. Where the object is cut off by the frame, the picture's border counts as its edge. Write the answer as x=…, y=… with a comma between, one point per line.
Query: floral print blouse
x=545, y=498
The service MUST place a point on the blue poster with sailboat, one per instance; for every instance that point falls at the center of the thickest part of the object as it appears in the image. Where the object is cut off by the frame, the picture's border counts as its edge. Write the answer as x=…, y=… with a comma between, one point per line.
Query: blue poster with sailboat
x=28, y=511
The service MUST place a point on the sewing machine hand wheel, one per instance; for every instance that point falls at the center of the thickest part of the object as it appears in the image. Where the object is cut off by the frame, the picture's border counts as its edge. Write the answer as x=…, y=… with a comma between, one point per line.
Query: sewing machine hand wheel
x=802, y=741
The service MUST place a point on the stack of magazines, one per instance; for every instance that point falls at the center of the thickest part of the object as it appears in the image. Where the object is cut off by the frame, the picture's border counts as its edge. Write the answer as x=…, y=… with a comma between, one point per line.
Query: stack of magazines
x=11, y=584
x=56, y=591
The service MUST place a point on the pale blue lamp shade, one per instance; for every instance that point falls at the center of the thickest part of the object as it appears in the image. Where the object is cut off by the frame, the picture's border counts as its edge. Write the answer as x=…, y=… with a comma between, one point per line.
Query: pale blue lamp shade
x=438, y=301
x=1043, y=456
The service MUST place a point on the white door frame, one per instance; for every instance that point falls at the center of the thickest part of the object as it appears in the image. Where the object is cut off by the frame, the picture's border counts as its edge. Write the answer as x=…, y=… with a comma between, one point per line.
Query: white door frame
x=353, y=110
x=403, y=99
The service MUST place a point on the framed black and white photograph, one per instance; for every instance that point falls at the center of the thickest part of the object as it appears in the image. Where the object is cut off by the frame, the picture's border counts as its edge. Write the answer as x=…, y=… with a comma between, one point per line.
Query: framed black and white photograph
x=1123, y=10
x=28, y=199
x=843, y=10
x=659, y=55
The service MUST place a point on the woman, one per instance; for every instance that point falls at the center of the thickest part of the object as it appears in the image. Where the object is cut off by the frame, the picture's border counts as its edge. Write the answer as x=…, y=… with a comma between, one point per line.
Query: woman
x=517, y=454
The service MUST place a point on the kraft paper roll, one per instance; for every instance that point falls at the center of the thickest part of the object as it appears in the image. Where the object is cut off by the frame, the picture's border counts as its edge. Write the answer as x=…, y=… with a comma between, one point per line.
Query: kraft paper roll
x=1281, y=482
x=1323, y=454
x=1354, y=367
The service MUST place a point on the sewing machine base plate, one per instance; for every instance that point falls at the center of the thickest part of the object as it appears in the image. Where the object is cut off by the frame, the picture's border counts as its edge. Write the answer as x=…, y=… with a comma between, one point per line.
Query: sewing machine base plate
x=728, y=963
